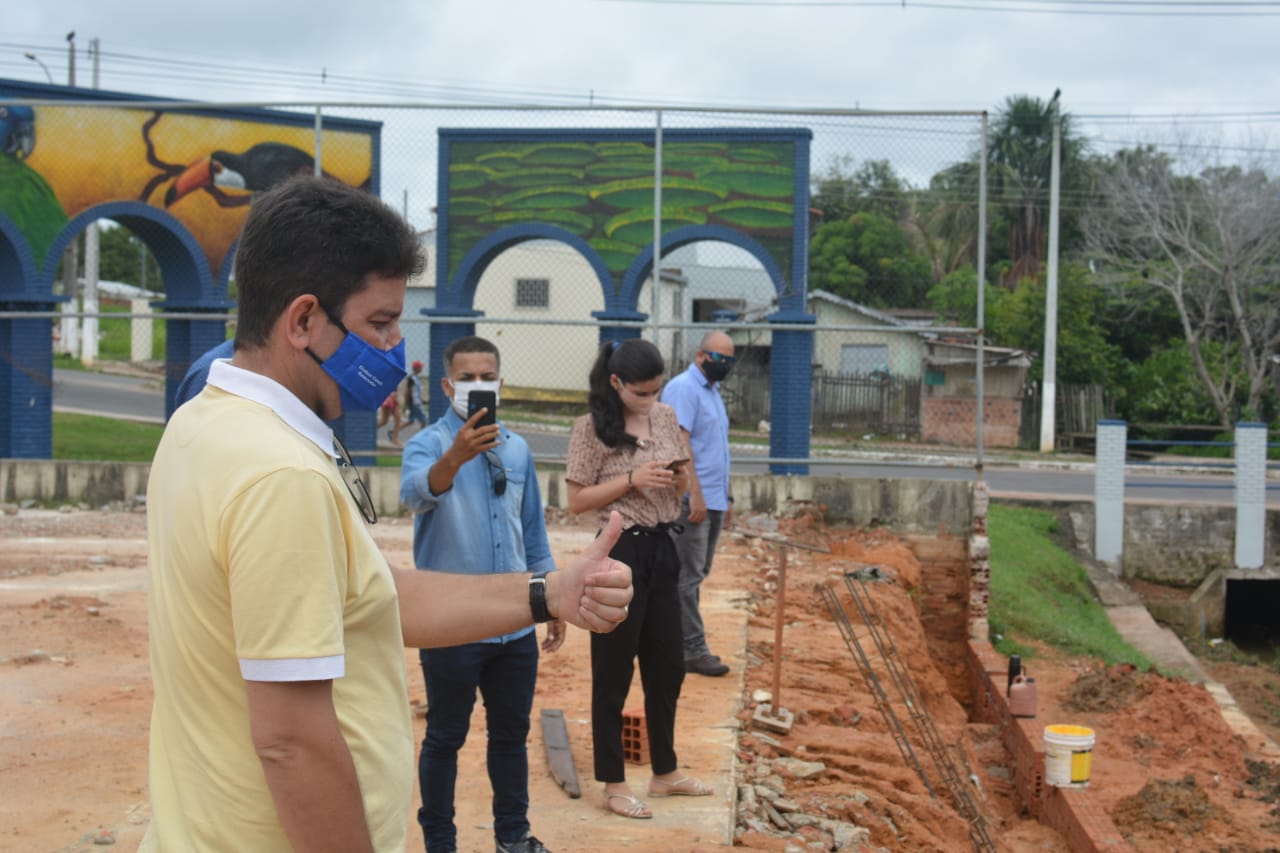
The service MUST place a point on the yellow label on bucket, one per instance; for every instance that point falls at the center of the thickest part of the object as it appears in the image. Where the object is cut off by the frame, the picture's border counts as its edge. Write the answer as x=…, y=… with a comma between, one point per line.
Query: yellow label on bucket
x=1081, y=766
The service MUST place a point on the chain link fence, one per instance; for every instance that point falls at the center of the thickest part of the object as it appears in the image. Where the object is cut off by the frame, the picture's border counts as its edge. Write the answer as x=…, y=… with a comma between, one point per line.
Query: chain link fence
x=894, y=212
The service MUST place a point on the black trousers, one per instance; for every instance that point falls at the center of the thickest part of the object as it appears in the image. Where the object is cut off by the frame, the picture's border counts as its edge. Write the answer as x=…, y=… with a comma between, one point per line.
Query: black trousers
x=651, y=634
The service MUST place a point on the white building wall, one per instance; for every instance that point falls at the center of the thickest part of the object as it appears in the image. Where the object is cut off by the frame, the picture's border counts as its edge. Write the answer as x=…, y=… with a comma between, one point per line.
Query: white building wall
x=545, y=354
x=421, y=293
x=906, y=350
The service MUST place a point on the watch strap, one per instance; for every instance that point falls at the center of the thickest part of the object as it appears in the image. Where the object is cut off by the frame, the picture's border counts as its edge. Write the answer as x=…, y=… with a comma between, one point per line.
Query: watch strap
x=538, y=597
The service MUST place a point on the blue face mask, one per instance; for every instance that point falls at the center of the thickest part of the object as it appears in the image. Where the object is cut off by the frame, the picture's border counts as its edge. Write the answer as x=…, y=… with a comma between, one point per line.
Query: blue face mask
x=364, y=373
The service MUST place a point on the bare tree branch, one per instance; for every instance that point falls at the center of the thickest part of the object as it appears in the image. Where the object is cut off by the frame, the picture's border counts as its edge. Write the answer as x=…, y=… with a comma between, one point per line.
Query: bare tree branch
x=1208, y=239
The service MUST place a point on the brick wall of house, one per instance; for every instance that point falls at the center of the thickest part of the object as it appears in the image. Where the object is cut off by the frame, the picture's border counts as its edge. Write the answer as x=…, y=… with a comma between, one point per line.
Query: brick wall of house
x=953, y=420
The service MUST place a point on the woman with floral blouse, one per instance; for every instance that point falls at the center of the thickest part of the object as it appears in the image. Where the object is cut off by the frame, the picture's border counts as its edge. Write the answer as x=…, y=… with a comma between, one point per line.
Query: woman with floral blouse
x=629, y=454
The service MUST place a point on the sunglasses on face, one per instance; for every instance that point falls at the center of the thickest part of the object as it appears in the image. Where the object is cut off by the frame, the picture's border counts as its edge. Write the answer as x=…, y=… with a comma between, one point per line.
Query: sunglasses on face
x=719, y=358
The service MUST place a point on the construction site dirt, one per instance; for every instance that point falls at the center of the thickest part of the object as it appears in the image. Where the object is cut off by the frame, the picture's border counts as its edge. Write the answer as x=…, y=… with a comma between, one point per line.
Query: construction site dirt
x=1168, y=771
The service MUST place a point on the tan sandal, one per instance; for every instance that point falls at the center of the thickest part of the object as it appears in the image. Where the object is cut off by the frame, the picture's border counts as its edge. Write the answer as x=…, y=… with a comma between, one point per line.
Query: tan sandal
x=634, y=808
x=685, y=786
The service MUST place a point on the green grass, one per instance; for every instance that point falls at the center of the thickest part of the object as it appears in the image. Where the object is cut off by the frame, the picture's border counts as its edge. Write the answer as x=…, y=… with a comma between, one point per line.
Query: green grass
x=93, y=439
x=114, y=342
x=62, y=361
x=1039, y=593
x=89, y=438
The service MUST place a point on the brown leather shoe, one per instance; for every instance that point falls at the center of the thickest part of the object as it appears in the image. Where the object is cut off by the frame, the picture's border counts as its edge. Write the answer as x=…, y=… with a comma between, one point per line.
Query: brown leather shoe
x=706, y=665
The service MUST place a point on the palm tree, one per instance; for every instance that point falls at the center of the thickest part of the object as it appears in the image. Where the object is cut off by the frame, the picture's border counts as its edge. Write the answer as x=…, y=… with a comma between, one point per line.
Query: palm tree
x=1019, y=157
x=943, y=219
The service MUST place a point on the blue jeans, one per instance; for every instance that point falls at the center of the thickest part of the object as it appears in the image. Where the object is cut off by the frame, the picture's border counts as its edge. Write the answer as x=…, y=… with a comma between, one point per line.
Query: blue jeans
x=505, y=674
x=696, y=545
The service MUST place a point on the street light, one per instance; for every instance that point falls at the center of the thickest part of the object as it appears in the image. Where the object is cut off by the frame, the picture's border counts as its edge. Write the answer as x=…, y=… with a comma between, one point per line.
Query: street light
x=36, y=60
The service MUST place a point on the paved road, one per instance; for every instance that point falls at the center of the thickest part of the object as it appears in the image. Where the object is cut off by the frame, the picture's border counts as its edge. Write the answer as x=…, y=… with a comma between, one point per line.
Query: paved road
x=1004, y=479
x=141, y=399
x=123, y=397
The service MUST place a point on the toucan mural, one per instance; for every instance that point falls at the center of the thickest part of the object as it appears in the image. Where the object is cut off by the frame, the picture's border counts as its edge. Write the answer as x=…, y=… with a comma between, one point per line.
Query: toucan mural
x=203, y=167
x=260, y=168
x=182, y=179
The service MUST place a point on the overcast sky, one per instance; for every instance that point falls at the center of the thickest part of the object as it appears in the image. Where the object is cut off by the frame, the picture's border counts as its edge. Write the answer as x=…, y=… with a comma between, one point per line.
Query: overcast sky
x=1126, y=78
x=860, y=53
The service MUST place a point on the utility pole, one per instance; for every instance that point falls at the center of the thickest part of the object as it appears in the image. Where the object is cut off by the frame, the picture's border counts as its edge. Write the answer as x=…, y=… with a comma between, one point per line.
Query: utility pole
x=71, y=58
x=89, y=340
x=71, y=255
x=1049, y=385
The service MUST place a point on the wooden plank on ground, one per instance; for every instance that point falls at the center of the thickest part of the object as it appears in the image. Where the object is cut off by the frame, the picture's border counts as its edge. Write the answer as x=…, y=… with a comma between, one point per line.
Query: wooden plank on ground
x=559, y=756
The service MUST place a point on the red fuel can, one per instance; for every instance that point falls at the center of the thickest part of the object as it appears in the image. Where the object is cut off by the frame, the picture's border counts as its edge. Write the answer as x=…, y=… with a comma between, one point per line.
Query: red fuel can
x=1022, y=696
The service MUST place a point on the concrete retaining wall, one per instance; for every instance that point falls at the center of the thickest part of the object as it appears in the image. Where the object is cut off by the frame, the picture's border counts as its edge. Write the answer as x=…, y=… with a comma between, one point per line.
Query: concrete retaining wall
x=908, y=506
x=1170, y=544
x=58, y=482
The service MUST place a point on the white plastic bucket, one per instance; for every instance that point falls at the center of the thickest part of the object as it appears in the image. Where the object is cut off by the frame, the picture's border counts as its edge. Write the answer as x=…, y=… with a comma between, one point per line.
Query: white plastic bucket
x=1068, y=755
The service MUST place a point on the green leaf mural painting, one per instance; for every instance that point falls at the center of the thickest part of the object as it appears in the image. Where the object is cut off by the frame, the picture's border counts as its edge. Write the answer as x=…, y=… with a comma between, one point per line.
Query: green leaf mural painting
x=602, y=190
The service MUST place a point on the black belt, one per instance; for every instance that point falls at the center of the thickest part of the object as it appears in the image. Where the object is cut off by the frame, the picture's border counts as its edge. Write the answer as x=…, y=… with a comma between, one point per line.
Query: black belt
x=659, y=529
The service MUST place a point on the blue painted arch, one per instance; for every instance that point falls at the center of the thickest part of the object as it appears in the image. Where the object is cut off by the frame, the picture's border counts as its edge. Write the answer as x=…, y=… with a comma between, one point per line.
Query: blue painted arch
x=633, y=279
x=188, y=279
x=17, y=264
x=462, y=287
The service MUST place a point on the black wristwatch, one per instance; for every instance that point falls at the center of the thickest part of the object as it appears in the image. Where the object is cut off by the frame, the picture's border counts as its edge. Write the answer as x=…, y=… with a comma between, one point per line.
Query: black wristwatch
x=538, y=597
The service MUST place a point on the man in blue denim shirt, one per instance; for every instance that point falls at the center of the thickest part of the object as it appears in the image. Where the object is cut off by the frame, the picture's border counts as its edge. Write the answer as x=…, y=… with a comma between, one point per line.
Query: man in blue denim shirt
x=478, y=511
x=708, y=507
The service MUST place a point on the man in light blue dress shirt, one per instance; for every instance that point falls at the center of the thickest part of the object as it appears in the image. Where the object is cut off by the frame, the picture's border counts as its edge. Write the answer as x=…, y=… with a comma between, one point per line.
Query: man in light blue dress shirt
x=478, y=510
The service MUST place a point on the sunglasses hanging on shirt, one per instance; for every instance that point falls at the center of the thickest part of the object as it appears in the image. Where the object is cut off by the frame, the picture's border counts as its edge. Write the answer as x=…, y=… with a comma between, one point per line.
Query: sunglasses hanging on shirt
x=499, y=474
x=355, y=483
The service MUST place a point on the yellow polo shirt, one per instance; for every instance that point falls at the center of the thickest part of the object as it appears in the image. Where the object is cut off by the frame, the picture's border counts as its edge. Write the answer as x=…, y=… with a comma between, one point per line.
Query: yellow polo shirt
x=262, y=569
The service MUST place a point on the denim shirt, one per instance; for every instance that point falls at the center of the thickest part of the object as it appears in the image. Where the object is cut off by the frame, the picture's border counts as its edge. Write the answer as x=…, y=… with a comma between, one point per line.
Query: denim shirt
x=702, y=414
x=468, y=529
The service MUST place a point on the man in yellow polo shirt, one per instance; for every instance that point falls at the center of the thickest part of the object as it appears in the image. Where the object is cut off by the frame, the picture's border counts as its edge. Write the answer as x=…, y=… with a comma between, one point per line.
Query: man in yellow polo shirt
x=280, y=718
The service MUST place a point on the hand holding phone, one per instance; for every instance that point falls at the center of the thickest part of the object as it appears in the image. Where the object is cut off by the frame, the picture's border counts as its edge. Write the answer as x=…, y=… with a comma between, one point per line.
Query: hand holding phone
x=477, y=400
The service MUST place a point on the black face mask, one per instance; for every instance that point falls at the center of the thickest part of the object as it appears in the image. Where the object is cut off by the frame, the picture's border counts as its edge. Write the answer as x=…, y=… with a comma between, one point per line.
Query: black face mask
x=716, y=371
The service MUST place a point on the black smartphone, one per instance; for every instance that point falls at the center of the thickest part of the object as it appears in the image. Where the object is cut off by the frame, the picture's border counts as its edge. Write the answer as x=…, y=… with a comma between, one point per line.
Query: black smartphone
x=477, y=400
x=675, y=466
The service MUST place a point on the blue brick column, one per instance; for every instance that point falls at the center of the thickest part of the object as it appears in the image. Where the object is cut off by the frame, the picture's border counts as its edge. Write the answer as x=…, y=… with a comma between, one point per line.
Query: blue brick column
x=1251, y=495
x=621, y=333
x=358, y=432
x=26, y=382
x=1108, y=491
x=790, y=384
x=187, y=340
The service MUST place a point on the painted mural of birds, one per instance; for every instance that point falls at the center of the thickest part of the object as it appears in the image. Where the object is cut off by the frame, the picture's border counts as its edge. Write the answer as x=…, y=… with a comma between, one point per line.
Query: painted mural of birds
x=18, y=130
x=25, y=196
x=259, y=168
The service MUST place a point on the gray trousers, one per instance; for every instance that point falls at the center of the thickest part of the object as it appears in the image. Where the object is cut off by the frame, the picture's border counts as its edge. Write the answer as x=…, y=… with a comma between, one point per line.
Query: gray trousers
x=696, y=547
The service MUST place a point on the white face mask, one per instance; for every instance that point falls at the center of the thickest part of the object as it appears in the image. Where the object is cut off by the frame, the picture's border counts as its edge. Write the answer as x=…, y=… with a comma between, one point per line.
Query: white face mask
x=461, y=390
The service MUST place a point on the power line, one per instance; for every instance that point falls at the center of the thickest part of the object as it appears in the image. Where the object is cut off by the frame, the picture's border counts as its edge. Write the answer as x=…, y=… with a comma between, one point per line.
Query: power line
x=132, y=64
x=1132, y=8
x=188, y=70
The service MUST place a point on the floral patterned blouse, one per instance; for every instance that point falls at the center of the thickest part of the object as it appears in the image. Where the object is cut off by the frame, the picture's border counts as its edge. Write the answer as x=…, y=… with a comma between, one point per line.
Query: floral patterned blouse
x=592, y=462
